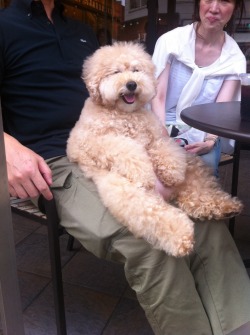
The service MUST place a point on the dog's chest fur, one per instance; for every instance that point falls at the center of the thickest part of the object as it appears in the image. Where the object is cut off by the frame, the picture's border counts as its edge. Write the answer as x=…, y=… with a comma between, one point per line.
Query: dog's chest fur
x=139, y=125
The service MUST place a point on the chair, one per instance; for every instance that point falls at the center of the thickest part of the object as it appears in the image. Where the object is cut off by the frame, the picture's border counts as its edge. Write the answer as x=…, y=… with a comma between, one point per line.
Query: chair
x=49, y=216
x=54, y=232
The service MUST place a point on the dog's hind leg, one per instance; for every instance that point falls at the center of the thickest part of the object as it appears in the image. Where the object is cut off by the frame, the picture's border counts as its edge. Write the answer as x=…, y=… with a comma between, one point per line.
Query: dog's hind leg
x=146, y=214
x=201, y=195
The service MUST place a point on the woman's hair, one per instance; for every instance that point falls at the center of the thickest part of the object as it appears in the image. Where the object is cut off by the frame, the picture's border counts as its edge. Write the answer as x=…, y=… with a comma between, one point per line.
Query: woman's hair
x=231, y=26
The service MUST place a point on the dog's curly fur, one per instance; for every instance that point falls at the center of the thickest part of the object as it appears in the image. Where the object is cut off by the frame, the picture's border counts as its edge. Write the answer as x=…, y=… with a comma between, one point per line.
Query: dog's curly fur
x=118, y=143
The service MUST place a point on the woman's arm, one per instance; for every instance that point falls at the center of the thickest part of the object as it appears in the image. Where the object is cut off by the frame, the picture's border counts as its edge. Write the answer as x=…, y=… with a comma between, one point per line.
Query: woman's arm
x=229, y=91
x=159, y=101
x=158, y=107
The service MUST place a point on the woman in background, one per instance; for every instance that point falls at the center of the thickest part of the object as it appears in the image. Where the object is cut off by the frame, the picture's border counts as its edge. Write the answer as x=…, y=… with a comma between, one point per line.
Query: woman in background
x=196, y=64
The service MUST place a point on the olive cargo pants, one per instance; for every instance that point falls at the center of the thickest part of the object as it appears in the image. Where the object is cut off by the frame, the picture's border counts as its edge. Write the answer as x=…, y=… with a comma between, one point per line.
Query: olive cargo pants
x=205, y=293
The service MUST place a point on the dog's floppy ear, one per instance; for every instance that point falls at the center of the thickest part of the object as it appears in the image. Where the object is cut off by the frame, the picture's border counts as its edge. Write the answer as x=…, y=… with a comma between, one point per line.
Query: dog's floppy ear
x=91, y=78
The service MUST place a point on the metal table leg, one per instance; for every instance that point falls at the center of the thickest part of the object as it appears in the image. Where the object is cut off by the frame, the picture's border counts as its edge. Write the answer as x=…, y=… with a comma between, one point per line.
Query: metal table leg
x=234, y=187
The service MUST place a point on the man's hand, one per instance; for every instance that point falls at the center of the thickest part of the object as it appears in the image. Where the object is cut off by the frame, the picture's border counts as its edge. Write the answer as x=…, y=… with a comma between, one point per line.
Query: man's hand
x=28, y=173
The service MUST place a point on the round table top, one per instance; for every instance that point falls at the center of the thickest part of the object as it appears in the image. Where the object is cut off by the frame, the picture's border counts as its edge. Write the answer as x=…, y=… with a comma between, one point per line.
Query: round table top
x=221, y=118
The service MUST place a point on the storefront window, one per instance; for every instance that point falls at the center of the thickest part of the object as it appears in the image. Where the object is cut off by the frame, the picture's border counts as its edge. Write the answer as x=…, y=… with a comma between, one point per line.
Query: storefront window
x=137, y=4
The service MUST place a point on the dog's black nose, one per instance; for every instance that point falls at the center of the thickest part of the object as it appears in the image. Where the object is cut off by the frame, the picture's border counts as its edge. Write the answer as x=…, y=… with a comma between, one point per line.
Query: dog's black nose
x=131, y=86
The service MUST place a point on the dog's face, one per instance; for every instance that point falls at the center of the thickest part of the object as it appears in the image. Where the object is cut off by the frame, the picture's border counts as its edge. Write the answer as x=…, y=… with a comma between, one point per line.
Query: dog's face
x=121, y=76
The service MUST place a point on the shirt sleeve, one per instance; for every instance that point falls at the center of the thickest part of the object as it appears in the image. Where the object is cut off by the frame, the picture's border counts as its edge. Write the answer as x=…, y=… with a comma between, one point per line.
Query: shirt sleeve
x=241, y=67
x=161, y=55
x=236, y=56
x=170, y=43
x=232, y=77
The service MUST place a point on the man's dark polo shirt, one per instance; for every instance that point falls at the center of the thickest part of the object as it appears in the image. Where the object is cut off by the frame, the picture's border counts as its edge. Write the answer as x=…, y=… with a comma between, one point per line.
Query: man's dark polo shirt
x=40, y=75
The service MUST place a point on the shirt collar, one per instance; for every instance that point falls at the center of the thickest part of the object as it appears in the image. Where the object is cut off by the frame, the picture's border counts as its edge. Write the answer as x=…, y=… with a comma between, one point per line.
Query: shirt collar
x=22, y=3
x=27, y=4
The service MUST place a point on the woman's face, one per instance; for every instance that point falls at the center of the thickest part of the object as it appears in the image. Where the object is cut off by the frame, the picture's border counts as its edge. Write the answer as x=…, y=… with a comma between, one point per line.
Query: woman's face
x=215, y=14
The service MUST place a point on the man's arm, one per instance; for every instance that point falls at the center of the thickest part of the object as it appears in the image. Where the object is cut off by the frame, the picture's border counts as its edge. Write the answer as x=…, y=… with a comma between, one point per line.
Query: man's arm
x=28, y=173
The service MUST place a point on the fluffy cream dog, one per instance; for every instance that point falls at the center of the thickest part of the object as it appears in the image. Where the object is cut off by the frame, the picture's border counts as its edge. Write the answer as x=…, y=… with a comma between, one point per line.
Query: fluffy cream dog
x=118, y=143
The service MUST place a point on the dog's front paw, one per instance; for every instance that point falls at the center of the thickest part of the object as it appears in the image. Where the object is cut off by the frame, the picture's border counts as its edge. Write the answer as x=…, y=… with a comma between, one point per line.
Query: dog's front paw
x=175, y=234
x=178, y=246
x=181, y=246
x=184, y=246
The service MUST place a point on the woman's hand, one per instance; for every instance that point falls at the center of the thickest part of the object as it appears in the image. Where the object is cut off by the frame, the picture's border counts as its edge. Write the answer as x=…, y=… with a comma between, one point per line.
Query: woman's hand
x=28, y=173
x=200, y=148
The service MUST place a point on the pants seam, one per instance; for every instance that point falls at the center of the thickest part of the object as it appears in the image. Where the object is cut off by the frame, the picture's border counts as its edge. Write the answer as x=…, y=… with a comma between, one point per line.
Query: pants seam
x=205, y=277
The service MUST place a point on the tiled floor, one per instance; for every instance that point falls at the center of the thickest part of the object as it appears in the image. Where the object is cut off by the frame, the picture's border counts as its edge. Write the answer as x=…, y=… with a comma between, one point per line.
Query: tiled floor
x=97, y=298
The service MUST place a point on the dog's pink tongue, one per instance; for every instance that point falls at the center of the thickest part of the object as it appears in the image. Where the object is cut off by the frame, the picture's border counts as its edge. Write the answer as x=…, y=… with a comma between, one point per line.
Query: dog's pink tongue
x=129, y=98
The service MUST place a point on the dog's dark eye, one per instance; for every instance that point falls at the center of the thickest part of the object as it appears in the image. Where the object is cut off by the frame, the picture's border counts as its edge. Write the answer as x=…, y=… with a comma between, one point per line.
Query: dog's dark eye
x=117, y=71
x=135, y=70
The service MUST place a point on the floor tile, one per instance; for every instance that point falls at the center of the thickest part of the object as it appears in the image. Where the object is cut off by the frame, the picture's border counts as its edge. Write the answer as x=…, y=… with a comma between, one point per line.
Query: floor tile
x=22, y=227
x=87, y=312
x=128, y=319
x=87, y=270
x=242, y=228
x=31, y=286
x=244, y=248
x=33, y=254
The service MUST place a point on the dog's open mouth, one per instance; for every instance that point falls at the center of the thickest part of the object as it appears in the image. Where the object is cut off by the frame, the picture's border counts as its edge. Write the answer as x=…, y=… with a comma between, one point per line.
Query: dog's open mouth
x=128, y=98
